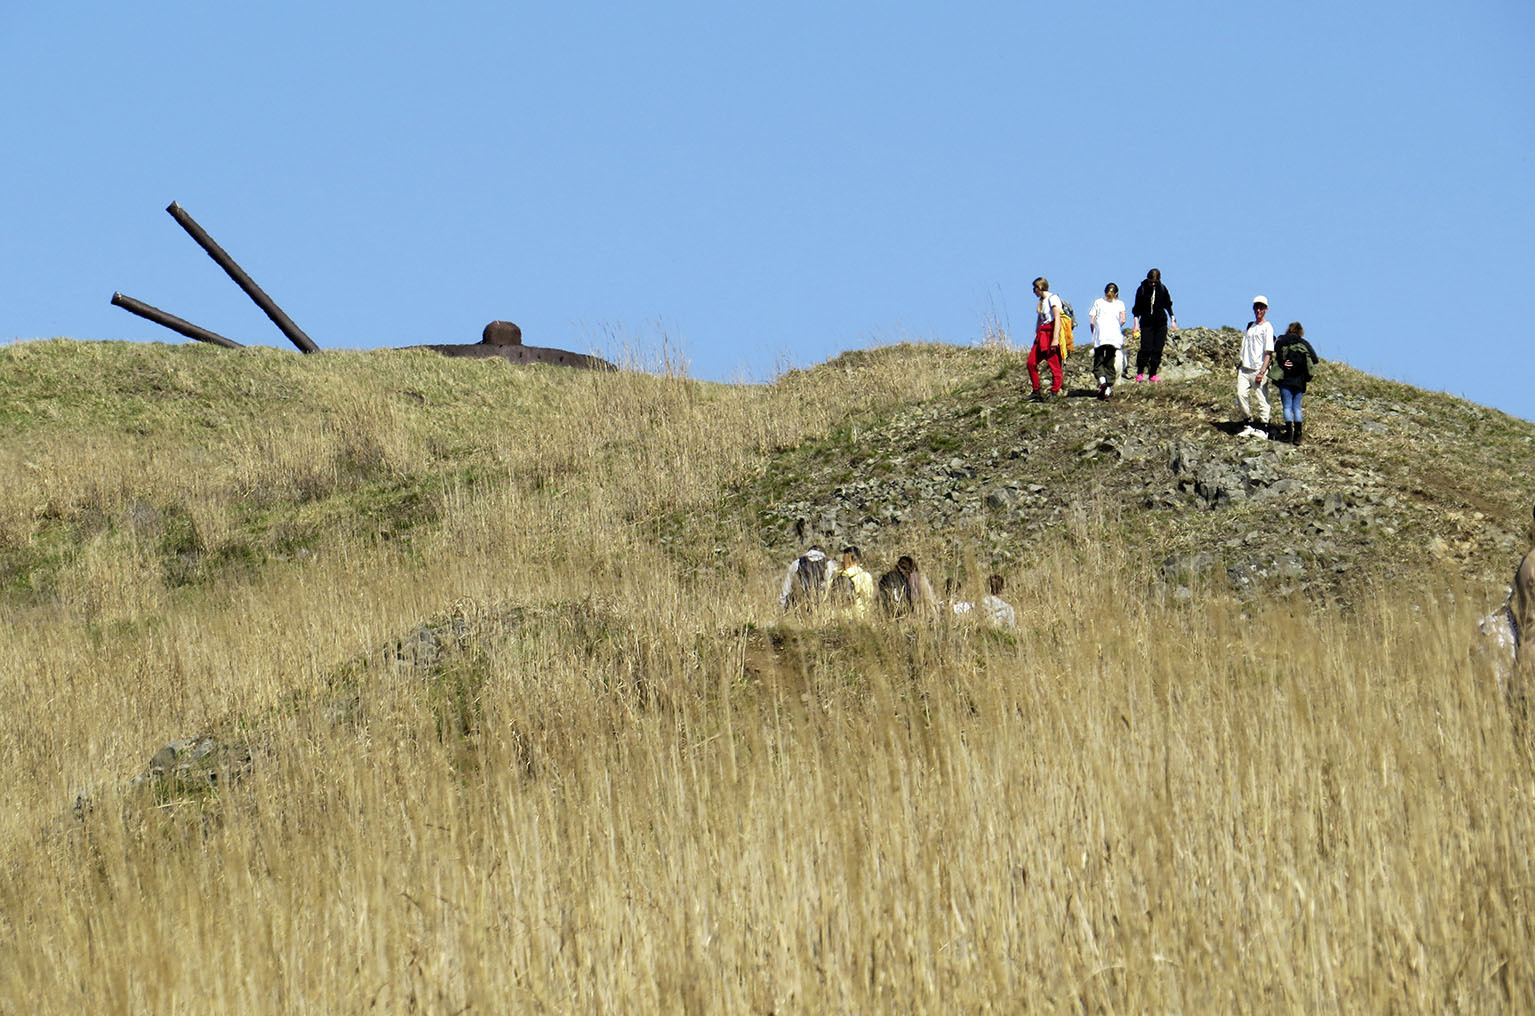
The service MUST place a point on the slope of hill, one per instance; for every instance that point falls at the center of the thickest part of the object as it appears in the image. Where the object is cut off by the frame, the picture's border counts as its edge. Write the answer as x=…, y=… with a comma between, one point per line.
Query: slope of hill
x=1391, y=480
x=392, y=681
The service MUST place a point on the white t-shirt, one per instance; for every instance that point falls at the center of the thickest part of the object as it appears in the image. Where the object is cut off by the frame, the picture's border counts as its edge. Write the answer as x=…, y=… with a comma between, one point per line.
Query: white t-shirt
x=999, y=612
x=1105, y=317
x=1258, y=340
x=1048, y=305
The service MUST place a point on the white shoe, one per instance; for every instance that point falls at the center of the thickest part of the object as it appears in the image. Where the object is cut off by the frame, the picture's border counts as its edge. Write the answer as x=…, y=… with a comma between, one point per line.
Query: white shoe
x=1250, y=431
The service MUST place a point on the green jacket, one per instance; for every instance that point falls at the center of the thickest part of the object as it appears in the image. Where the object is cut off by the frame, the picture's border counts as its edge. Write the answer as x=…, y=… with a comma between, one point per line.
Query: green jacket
x=1293, y=362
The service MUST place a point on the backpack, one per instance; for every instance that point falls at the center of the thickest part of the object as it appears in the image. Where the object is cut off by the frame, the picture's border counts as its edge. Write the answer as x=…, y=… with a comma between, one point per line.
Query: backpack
x=809, y=577
x=1294, y=360
x=1068, y=327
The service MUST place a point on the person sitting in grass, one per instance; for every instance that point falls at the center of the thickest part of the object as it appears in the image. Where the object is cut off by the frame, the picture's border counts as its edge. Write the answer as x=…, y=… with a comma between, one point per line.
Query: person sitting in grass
x=852, y=587
x=1521, y=604
x=903, y=590
x=997, y=611
x=805, y=583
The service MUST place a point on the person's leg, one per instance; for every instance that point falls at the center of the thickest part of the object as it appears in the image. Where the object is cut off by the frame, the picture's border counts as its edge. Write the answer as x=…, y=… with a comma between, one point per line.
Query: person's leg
x=1034, y=367
x=1157, y=341
x=1056, y=373
x=1295, y=432
x=1244, y=389
x=1264, y=411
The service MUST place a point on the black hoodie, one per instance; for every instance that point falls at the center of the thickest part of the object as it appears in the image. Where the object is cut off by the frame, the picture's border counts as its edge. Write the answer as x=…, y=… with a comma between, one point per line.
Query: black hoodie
x=1153, y=303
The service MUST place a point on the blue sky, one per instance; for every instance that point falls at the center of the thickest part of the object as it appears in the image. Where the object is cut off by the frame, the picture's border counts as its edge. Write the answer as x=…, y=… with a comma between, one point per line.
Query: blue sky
x=768, y=185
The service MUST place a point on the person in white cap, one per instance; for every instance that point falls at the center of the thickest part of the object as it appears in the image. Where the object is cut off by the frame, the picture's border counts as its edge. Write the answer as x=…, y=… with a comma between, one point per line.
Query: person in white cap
x=1252, y=372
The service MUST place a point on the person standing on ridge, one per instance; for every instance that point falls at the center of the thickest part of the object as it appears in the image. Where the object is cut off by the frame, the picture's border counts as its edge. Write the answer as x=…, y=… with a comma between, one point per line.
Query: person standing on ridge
x=1294, y=358
x=1108, y=320
x=1047, y=345
x=1153, y=310
x=1252, y=371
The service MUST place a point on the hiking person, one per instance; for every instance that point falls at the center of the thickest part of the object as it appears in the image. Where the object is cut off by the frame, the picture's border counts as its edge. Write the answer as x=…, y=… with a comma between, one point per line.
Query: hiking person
x=1252, y=371
x=1294, y=359
x=998, y=612
x=1107, y=319
x=1153, y=310
x=804, y=585
x=1047, y=340
x=852, y=587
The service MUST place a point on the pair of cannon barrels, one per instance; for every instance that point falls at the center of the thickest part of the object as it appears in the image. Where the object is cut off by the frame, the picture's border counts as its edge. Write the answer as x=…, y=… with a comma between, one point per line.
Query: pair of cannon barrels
x=501, y=338
x=294, y=333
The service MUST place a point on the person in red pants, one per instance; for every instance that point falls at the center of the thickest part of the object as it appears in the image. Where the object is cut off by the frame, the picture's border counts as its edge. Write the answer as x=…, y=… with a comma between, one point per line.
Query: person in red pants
x=1047, y=344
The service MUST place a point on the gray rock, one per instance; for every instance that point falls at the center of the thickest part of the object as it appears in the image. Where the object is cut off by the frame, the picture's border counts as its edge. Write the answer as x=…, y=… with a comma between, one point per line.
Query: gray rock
x=195, y=763
x=1185, y=566
x=1217, y=482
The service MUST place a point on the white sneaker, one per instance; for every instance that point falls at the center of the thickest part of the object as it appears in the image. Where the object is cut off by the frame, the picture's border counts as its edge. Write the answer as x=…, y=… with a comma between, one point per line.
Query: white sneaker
x=1249, y=431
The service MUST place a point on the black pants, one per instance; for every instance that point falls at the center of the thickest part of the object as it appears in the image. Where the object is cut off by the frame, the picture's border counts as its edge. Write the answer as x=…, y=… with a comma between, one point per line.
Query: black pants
x=1148, y=358
x=1103, y=362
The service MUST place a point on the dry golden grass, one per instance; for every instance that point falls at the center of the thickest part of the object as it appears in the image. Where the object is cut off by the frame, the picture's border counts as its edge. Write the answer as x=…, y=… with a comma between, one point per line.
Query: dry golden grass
x=652, y=795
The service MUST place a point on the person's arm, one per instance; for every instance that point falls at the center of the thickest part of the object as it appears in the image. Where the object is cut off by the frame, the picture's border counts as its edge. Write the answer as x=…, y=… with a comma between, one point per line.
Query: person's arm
x=1172, y=319
x=1055, y=323
x=1268, y=357
x=1121, y=316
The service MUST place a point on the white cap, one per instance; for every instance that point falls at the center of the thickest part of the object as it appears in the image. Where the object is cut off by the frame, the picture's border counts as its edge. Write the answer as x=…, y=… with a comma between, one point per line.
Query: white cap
x=1260, y=298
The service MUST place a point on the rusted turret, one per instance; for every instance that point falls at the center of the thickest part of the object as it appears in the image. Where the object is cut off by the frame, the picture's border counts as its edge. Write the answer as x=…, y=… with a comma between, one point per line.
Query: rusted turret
x=504, y=339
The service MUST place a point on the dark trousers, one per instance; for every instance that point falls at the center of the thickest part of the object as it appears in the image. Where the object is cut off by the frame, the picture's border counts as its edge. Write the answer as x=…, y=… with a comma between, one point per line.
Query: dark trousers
x=1103, y=362
x=1148, y=358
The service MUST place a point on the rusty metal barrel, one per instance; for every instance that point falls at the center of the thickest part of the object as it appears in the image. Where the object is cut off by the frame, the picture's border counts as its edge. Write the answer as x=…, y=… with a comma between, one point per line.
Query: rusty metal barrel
x=172, y=322
x=294, y=333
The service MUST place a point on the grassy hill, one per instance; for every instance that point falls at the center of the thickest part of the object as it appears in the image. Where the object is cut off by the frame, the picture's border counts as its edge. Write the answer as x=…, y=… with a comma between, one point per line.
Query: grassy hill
x=474, y=693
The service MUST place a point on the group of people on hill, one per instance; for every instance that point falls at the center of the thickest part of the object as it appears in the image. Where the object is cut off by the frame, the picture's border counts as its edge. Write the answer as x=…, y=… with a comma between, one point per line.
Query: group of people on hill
x=1287, y=361
x=1152, y=312
x=814, y=581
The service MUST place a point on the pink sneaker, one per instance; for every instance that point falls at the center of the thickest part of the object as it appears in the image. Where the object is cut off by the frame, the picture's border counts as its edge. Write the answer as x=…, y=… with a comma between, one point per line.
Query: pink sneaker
x=1156, y=378
x=1140, y=377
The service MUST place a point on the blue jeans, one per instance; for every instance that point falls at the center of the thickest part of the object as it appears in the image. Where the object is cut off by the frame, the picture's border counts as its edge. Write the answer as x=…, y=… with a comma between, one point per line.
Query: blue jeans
x=1289, y=401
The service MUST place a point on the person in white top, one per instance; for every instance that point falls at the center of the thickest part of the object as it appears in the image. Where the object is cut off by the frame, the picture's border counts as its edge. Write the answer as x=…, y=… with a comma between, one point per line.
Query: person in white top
x=1108, y=320
x=1252, y=372
x=1047, y=340
x=997, y=611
